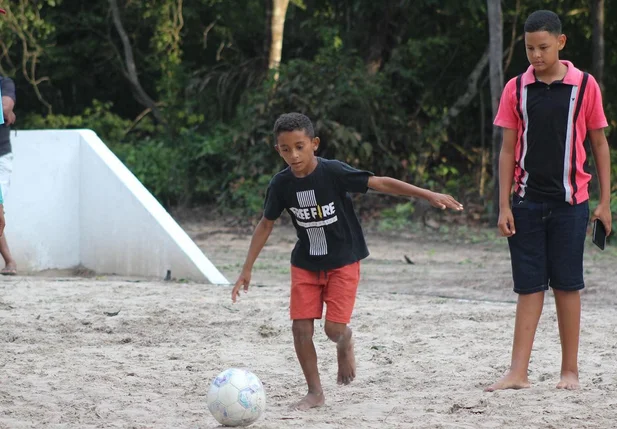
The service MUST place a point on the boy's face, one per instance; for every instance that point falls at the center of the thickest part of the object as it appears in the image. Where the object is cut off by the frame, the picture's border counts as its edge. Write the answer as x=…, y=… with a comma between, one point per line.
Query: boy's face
x=298, y=151
x=543, y=49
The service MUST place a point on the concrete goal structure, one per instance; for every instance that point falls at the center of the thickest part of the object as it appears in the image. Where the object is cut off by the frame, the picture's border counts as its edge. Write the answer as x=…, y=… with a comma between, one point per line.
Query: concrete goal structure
x=73, y=203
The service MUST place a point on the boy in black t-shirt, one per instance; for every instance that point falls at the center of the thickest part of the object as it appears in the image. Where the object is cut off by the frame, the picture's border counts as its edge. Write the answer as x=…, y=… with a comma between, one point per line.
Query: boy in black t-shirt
x=325, y=263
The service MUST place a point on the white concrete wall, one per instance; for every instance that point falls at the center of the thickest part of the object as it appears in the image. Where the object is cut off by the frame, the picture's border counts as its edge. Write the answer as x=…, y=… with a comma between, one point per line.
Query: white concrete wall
x=110, y=222
x=124, y=229
x=42, y=205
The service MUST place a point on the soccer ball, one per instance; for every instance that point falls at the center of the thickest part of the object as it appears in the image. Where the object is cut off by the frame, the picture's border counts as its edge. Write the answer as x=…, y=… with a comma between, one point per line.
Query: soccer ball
x=236, y=397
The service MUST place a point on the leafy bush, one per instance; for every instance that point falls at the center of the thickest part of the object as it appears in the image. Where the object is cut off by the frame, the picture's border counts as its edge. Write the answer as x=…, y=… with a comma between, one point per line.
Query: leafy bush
x=99, y=117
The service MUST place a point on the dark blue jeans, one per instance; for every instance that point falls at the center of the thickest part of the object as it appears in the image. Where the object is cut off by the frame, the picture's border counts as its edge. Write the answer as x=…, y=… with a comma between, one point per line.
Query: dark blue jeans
x=547, y=249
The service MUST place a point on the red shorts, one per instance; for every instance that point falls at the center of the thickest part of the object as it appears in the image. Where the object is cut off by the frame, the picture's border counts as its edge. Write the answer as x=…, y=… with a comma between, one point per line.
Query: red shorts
x=337, y=288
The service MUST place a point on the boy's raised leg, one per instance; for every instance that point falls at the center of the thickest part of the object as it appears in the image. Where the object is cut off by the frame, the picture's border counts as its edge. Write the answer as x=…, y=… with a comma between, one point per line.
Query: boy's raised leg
x=307, y=356
x=341, y=334
x=568, y=305
x=528, y=312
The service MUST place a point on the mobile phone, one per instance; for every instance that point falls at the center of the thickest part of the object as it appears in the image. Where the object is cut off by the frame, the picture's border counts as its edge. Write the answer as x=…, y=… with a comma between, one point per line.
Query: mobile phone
x=599, y=234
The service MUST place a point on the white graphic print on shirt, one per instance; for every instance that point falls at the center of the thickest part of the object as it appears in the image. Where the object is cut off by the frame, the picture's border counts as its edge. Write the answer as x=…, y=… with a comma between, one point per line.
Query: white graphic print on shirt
x=313, y=218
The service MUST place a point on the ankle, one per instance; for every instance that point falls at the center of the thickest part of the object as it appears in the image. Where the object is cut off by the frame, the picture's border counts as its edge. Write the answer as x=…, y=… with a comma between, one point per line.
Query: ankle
x=517, y=373
x=344, y=343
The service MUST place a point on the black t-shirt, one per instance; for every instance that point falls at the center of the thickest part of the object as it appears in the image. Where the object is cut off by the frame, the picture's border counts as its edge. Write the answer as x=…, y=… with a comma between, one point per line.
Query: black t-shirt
x=7, y=88
x=329, y=232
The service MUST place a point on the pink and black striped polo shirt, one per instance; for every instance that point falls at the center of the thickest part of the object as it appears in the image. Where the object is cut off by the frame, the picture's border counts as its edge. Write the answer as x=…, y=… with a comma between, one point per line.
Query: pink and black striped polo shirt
x=552, y=121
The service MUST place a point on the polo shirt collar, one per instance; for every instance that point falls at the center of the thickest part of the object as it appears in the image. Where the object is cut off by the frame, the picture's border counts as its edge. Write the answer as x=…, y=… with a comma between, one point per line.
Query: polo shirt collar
x=572, y=77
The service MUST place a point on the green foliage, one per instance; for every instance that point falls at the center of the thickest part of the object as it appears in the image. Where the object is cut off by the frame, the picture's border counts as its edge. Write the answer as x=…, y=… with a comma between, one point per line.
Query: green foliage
x=356, y=122
x=594, y=188
x=249, y=193
x=397, y=217
x=377, y=78
x=353, y=114
x=99, y=117
x=159, y=167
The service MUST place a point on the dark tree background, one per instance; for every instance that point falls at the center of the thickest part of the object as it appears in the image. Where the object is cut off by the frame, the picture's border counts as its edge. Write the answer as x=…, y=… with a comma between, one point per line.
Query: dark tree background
x=186, y=92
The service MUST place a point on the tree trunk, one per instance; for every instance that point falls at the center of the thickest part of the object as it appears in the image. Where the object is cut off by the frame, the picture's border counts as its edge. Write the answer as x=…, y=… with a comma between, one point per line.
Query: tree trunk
x=483, y=153
x=597, y=16
x=472, y=86
x=495, y=31
x=386, y=27
x=130, y=70
x=279, y=10
x=378, y=40
x=472, y=90
x=267, y=37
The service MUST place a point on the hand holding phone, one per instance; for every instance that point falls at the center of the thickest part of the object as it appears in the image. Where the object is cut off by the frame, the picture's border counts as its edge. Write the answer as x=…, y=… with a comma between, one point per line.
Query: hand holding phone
x=599, y=234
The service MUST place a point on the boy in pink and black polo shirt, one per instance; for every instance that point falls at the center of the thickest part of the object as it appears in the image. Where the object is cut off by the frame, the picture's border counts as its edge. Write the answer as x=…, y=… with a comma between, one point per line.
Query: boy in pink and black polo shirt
x=547, y=113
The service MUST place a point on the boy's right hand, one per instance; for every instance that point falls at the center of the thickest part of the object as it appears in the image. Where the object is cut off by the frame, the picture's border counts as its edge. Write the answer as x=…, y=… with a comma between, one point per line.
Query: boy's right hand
x=506, y=222
x=444, y=201
x=9, y=118
x=243, y=280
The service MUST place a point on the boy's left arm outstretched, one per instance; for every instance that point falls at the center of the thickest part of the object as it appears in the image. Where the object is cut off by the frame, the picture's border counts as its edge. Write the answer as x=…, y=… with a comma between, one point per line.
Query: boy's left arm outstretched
x=390, y=185
x=602, y=156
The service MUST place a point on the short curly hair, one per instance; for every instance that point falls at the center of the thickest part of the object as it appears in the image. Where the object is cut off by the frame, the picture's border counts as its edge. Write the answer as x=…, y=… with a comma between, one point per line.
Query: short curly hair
x=543, y=20
x=294, y=122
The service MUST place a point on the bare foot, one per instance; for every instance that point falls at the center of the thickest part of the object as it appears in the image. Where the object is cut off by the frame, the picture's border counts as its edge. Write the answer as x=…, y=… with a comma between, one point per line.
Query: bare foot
x=311, y=400
x=509, y=381
x=569, y=381
x=9, y=270
x=346, y=364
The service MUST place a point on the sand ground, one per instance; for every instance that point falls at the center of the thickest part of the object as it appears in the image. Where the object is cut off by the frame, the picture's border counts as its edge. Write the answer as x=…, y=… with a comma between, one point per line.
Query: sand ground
x=108, y=352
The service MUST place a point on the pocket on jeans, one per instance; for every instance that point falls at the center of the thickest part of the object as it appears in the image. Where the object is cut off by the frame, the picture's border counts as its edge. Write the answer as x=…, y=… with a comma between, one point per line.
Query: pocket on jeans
x=527, y=219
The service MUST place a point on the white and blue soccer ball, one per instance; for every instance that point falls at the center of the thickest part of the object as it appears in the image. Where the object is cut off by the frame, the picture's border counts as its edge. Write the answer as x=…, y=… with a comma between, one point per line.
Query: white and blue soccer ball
x=236, y=398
